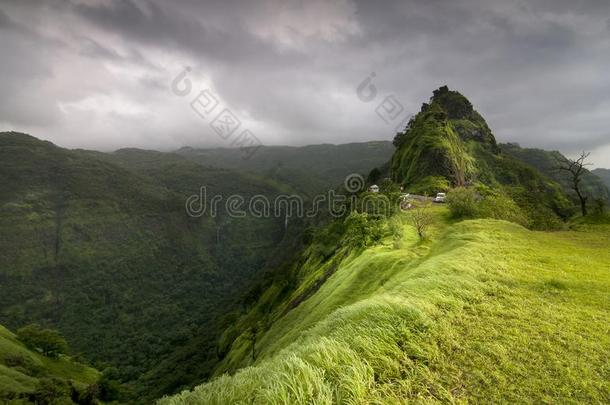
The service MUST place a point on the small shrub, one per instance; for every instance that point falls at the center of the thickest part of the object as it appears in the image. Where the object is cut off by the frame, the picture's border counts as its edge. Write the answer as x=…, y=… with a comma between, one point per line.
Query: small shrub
x=421, y=218
x=462, y=203
x=52, y=391
x=501, y=207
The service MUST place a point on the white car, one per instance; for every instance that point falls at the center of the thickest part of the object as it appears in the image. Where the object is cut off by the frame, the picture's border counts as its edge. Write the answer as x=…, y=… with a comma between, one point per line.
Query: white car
x=440, y=198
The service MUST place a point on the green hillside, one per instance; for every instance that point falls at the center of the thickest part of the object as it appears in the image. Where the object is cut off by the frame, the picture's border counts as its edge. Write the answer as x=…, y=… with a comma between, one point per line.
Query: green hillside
x=448, y=144
x=99, y=246
x=314, y=310
x=483, y=311
x=431, y=146
x=546, y=163
x=480, y=310
x=26, y=375
x=604, y=175
x=106, y=253
x=310, y=169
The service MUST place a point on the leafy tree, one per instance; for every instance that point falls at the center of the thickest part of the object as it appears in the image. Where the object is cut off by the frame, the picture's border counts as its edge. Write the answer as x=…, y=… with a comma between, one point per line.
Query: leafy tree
x=48, y=341
x=373, y=176
x=362, y=230
x=108, y=387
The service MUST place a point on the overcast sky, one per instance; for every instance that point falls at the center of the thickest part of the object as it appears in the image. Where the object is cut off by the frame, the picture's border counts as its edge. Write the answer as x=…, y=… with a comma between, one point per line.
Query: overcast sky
x=97, y=73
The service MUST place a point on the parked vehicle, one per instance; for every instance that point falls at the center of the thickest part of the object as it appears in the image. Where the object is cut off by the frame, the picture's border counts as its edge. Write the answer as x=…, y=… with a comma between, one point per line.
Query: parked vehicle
x=440, y=198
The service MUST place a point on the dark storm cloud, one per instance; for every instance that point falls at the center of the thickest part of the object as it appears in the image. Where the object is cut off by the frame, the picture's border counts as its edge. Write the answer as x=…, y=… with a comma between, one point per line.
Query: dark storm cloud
x=537, y=70
x=172, y=25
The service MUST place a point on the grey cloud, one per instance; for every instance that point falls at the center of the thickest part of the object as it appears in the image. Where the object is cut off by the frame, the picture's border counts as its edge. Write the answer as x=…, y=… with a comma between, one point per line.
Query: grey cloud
x=537, y=70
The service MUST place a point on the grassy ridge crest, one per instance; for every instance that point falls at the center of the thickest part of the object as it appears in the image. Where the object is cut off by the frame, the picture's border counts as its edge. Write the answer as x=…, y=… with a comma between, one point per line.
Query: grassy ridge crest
x=486, y=310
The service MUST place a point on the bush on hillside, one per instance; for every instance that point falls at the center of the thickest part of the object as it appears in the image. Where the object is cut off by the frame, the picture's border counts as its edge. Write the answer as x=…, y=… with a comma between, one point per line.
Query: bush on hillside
x=501, y=207
x=462, y=203
x=48, y=341
x=362, y=230
x=109, y=388
x=421, y=218
x=52, y=391
x=483, y=202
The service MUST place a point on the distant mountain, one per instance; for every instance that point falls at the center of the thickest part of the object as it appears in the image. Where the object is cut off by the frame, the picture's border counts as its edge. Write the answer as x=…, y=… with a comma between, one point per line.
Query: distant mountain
x=434, y=144
x=604, y=175
x=311, y=168
x=27, y=376
x=546, y=162
x=448, y=144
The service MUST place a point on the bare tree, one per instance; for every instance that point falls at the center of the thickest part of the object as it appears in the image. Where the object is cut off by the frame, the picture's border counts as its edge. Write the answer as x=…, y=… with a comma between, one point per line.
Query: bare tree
x=421, y=218
x=576, y=169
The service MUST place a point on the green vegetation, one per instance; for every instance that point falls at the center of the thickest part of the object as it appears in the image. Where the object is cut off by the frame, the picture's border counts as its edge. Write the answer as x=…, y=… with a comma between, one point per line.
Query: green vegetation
x=482, y=311
x=377, y=307
x=431, y=147
x=468, y=203
x=419, y=307
x=309, y=169
x=100, y=248
x=448, y=144
x=27, y=376
x=546, y=162
x=48, y=341
x=604, y=175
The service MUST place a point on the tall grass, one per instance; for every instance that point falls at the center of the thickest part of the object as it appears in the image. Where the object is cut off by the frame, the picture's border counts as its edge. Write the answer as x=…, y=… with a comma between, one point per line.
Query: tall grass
x=487, y=312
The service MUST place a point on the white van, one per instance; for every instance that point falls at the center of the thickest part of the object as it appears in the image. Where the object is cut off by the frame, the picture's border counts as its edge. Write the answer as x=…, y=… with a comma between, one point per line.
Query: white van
x=440, y=198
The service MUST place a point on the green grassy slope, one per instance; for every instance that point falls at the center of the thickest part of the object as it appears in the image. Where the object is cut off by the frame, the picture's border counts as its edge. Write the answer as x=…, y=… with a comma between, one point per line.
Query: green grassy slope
x=485, y=311
x=22, y=369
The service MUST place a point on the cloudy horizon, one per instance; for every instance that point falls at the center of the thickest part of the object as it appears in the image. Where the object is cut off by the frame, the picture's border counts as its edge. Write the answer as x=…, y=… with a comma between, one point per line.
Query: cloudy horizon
x=98, y=74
